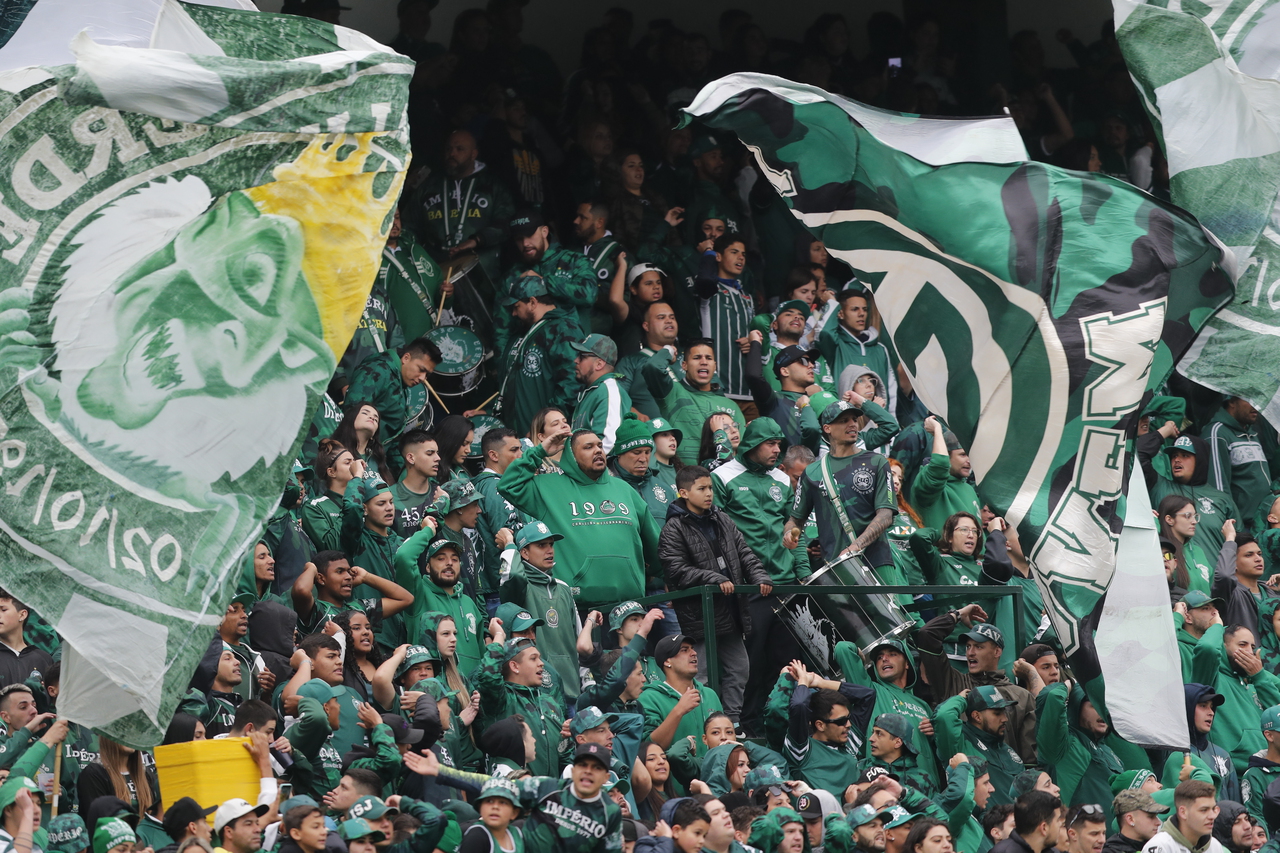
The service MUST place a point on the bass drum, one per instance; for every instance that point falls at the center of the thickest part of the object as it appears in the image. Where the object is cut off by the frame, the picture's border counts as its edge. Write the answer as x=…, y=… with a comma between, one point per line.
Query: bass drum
x=819, y=622
x=462, y=360
x=481, y=424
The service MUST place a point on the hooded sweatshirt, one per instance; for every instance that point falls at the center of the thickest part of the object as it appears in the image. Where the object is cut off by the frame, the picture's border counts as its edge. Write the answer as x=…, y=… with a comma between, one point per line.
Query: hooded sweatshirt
x=551, y=601
x=1082, y=764
x=937, y=494
x=758, y=498
x=1170, y=840
x=890, y=698
x=1228, y=812
x=841, y=348
x=1268, y=641
x=1253, y=786
x=1237, y=463
x=1215, y=506
x=610, y=536
x=1236, y=727
x=1215, y=760
x=885, y=427
x=684, y=406
x=429, y=597
x=543, y=710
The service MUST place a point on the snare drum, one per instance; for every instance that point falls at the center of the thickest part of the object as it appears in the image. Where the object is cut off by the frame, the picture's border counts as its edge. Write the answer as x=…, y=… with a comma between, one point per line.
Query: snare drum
x=462, y=357
x=819, y=622
x=481, y=424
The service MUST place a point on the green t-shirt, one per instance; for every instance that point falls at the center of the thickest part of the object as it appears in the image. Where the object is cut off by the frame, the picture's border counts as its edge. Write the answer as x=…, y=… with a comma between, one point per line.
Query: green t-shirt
x=864, y=487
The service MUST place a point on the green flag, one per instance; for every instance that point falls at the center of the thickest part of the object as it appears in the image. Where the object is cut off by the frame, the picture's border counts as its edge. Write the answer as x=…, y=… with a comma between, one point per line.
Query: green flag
x=1208, y=75
x=187, y=239
x=1032, y=307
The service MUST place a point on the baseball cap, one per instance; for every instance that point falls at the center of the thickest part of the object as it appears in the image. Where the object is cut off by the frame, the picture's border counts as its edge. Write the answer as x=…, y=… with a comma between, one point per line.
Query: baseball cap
x=1136, y=801
x=1197, y=598
x=370, y=489
x=355, y=827
x=1183, y=444
x=9, y=790
x=592, y=750
x=598, y=345
x=516, y=618
x=440, y=544
x=320, y=691
x=809, y=807
x=794, y=305
x=589, y=718
x=660, y=425
x=986, y=698
x=515, y=647
x=525, y=222
x=67, y=834
x=1035, y=651
x=527, y=287
x=245, y=599
x=415, y=655
x=401, y=730
x=898, y=816
x=111, y=832
x=701, y=144
x=640, y=269
x=461, y=493
x=835, y=410
x=622, y=612
x=182, y=812
x=1270, y=718
x=984, y=632
x=897, y=726
x=866, y=813
x=500, y=787
x=622, y=786
x=535, y=531
x=234, y=810
x=668, y=647
x=299, y=800
x=764, y=776
x=370, y=807
x=788, y=356
x=873, y=773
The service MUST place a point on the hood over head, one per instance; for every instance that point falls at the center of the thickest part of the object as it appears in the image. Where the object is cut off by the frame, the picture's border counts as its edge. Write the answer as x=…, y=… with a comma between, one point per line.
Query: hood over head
x=1228, y=812
x=759, y=431
x=852, y=373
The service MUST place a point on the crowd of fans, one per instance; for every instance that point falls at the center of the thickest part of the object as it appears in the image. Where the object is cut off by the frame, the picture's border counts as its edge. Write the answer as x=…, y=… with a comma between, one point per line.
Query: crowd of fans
x=438, y=643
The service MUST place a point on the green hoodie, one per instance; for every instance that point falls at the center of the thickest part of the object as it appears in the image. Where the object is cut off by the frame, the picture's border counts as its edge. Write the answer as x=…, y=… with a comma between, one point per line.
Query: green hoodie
x=890, y=698
x=366, y=548
x=955, y=734
x=1237, y=463
x=1236, y=727
x=429, y=597
x=1082, y=765
x=684, y=406
x=496, y=513
x=658, y=699
x=937, y=494
x=758, y=499
x=610, y=536
x=539, y=369
x=542, y=710
x=551, y=601
x=1268, y=642
x=713, y=767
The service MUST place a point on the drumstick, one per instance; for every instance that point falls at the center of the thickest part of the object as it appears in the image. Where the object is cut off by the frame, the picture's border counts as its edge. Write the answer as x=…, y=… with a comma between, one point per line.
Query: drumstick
x=490, y=400
x=437, y=396
x=440, y=308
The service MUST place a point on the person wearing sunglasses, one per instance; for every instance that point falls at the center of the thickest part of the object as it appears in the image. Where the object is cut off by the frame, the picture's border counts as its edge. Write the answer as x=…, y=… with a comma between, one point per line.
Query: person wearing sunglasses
x=1086, y=826
x=825, y=726
x=785, y=395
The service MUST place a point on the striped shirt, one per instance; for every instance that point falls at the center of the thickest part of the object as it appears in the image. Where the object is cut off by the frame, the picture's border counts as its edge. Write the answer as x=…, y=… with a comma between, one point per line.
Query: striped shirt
x=726, y=317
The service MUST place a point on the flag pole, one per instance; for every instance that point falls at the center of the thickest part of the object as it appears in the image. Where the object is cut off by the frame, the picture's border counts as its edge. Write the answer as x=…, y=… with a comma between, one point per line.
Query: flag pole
x=57, y=779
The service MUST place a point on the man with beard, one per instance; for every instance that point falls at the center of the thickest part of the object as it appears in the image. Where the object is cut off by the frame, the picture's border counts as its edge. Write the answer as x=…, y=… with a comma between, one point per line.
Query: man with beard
x=974, y=723
x=660, y=330
x=1233, y=827
x=1037, y=824
x=462, y=209
x=510, y=679
x=602, y=251
x=868, y=828
x=441, y=591
x=603, y=400
x=1086, y=828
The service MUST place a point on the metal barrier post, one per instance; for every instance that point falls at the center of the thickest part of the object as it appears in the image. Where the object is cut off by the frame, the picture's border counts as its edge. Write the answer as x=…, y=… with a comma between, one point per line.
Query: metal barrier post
x=709, y=633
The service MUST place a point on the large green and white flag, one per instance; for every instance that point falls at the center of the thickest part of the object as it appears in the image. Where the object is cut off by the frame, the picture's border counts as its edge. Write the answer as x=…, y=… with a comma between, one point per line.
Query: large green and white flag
x=1032, y=307
x=187, y=239
x=1209, y=75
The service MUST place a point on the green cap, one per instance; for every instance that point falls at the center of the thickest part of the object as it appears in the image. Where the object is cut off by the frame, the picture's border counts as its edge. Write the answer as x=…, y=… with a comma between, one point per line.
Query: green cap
x=535, y=531
x=702, y=143
x=371, y=488
x=67, y=834
x=986, y=698
x=898, y=726
x=1183, y=444
x=461, y=493
x=1195, y=598
x=439, y=545
x=516, y=618
x=794, y=305
x=660, y=425
x=984, y=632
x=866, y=813
x=622, y=786
x=589, y=718
x=110, y=833
x=502, y=788
x=527, y=287
x=764, y=776
x=622, y=612
x=9, y=790
x=631, y=434
x=320, y=690
x=369, y=807
x=1271, y=719
x=437, y=688
x=600, y=346
x=355, y=827
x=415, y=655
x=245, y=599
x=835, y=410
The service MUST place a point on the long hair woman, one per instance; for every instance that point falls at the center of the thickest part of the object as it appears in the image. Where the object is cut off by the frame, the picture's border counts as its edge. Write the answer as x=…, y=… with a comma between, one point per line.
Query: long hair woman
x=546, y=422
x=119, y=771
x=1178, y=521
x=336, y=466
x=359, y=432
x=361, y=656
x=453, y=437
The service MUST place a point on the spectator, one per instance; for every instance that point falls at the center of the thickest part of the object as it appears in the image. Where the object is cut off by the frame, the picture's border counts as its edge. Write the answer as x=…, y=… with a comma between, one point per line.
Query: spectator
x=853, y=340
x=1138, y=817
x=789, y=406
x=540, y=364
x=1226, y=659
x=510, y=680
x=658, y=324
x=1071, y=738
x=441, y=591
x=820, y=715
x=1188, y=478
x=942, y=487
x=687, y=402
x=18, y=658
x=1237, y=579
x=677, y=706
x=1238, y=465
x=727, y=309
x=603, y=400
x=1263, y=769
x=1196, y=809
x=416, y=490
x=1038, y=820
x=394, y=383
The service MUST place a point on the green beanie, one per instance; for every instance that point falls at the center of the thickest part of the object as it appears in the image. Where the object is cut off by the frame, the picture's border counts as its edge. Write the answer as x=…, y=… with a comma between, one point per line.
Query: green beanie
x=632, y=433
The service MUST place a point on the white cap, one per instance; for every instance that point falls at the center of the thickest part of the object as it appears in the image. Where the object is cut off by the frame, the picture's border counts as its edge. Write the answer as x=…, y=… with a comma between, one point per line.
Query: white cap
x=640, y=269
x=233, y=810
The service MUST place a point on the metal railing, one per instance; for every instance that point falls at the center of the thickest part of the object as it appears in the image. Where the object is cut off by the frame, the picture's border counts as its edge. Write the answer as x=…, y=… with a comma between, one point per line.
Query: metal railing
x=968, y=593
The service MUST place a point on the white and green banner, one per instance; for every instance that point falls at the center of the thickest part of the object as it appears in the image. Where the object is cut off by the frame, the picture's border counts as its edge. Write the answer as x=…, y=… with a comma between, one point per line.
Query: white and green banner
x=1209, y=76
x=188, y=233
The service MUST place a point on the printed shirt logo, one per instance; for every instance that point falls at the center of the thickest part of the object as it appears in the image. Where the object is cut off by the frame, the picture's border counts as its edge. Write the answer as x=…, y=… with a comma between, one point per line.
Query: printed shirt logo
x=1206, y=505
x=864, y=481
x=533, y=363
x=660, y=493
x=608, y=507
x=553, y=618
x=775, y=492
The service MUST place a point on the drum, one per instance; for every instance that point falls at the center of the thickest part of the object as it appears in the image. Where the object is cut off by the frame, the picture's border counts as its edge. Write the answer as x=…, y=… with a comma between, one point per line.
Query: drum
x=462, y=356
x=819, y=622
x=461, y=266
x=481, y=425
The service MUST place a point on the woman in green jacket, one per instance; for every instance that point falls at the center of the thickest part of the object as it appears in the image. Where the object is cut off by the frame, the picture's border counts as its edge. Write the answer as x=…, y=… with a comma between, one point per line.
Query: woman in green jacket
x=1269, y=634
x=953, y=557
x=335, y=468
x=440, y=629
x=1178, y=522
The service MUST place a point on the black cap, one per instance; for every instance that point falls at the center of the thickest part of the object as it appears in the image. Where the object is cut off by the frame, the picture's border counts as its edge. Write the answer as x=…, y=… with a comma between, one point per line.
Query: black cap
x=400, y=729
x=593, y=750
x=788, y=356
x=183, y=812
x=668, y=647
x=871, y=774
x=525, y=222
x=809, y=807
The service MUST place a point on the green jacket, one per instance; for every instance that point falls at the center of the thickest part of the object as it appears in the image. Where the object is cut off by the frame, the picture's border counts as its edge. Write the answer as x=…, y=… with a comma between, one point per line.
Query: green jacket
x=542, y=710
x=428, y=597
x=539, y=369
x=1236, y=727
x=570, y=282
x=411, y=280
x=610, y=536
x=496, y=513
x=958, y=802
x=365, y=548
x=758, y=499
x=954, y=735
x=322, y=521
x=1080, y=764
x=551, y=601
x=658, y=700
x=312, y=738
x=660, y=488
x=23, y=756
x=601, y=406
x=937, y=494
x=377, y=380
x=684, y=406
x=1237, y=464
x=445, y=212
x=606, y=690
x=714, y=765
x=1253, y=785
x=630, y=368
x=1214, y=505
x=559, y=822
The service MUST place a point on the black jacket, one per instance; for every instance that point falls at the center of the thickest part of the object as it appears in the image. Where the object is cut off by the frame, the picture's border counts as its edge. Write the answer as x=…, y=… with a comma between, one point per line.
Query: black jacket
x=690, y=558
x=1121, y=844
x=1012, y=844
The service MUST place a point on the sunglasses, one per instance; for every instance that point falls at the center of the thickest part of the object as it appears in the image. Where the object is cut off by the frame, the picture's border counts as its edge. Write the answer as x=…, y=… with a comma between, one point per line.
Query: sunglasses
x=1088, y=811
x=838, y=721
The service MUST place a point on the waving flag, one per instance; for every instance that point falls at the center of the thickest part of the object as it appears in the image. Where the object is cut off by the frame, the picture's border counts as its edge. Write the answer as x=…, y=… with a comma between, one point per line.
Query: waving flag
x=1032, y=307
x=187, y=239
x=1209, y=73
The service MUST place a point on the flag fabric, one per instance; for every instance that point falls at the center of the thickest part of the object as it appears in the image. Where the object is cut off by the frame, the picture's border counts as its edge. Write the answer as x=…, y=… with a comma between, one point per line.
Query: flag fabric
x=1209, y=76
x=1032, y=307
x=188, y=234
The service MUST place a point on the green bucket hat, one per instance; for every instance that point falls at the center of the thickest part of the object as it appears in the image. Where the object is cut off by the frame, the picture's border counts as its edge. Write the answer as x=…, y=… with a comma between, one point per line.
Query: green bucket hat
x=67, y=834
x=631, y=434
x=502, y=788
x=624, y=611
x=9, y=790
x=415, y=655
x=527, y=287
x=461, y=493
x=864, y=814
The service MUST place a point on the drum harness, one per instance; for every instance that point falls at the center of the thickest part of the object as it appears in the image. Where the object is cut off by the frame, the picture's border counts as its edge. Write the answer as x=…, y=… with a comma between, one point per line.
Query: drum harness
x=390, y=255
x=462, y=211
x=833, y=494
